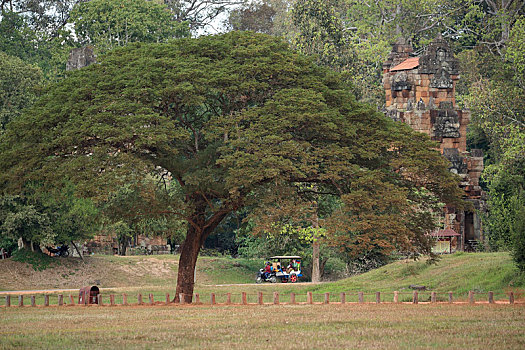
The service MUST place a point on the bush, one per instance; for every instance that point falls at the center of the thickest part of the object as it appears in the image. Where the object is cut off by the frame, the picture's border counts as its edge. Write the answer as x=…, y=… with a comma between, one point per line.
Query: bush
x=8, y=244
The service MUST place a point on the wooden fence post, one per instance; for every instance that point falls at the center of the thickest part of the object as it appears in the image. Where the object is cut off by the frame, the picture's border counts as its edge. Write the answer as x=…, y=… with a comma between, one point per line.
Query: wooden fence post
x=360, y=297
x=228, y=298
x=511, y=298
x=378, y=297
x=33, y=302
x=7, y=301
x=244, y=299
x=491, y=297
x=20, y=300
x=151, y=299
x=471, y=297
x=112, y=299
x=139, y=299
x=396, y=297
x=124, y=299
x=168, y=298
x=450, y=298
x=276, y=298
x=292, y=298
x=309, y=298
x=197, y=298
x=260, y=298
x=46, y=300
x=327, y=298
x=181, y=299
x=60, y=300
x=100, y=302
x=343, y=297
x=433, y=297
x=414, y=297
x=71, y=300
x=212, y=298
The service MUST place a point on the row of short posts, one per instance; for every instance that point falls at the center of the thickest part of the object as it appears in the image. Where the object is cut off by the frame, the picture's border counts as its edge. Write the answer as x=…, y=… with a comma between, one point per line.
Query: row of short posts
x=244, y=300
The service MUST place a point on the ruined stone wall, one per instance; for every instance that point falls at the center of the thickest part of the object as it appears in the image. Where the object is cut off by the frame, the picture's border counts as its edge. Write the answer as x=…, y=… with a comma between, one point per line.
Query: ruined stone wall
x=80, y=57
x=420, y=91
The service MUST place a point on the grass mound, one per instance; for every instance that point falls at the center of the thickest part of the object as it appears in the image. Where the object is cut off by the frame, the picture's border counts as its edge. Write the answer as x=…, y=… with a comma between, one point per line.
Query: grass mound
x=38, y=260
x=459, y=273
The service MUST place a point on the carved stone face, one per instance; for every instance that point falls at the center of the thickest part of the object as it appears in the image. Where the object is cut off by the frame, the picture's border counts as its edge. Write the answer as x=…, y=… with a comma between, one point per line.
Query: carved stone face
x=441, y=54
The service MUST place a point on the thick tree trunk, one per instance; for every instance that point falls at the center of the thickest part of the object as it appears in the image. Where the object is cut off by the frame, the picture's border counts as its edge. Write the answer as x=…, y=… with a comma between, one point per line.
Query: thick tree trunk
x=316, y=273
x=187, y=262
x=197, y=232
x=123, y=247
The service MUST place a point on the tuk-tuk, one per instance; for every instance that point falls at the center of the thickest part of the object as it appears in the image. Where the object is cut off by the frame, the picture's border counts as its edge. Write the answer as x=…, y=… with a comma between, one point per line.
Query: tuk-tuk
x=285, y=268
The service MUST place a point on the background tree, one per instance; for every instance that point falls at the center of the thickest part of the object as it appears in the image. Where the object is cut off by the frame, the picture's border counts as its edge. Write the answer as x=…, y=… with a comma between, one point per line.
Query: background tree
x=494, y=96
x=142, y=207
x=35, y=32
x=47, y=218
x=200, y=14
x=108, y=24
x=257, y=17
x=41, y=15
x=21, y=220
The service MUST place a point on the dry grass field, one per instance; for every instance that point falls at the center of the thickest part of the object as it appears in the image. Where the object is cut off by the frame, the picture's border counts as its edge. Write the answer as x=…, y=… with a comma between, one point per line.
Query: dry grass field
x=349, y=326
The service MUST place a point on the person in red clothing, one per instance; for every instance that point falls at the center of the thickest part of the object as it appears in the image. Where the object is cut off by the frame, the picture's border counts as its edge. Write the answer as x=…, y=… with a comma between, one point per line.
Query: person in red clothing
x=267, y=270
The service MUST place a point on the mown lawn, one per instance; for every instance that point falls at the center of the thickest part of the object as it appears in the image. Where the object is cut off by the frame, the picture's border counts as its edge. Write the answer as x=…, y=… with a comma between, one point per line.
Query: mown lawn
x=350, y=326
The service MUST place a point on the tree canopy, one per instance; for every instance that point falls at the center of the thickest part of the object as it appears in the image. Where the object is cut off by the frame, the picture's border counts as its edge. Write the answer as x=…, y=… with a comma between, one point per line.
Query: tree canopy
x=236, y=120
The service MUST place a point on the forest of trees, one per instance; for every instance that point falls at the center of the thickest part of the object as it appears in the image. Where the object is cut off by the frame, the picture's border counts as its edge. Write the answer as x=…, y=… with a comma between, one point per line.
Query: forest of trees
x=237, y=141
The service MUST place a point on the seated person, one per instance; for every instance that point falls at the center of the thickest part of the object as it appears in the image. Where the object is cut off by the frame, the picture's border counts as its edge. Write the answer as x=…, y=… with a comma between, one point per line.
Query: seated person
x=295, y=265
x=289, y=268
x=267, y=270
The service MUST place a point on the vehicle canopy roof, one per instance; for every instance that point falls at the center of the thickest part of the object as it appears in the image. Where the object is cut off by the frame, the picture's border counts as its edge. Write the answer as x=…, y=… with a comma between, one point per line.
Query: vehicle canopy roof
x=285, y=257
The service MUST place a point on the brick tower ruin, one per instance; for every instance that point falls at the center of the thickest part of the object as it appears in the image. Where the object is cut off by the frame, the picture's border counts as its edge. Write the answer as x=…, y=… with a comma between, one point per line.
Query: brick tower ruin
x=420, y=91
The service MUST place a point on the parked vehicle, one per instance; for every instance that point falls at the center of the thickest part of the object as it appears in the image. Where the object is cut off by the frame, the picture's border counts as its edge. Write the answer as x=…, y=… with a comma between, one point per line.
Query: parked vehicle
x=284, y=268
x=62, y=250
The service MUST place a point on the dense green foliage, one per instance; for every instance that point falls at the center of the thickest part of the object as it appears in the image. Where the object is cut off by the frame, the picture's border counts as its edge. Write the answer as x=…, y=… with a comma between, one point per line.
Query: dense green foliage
x=495, y=98
x=19, y=83
x=143, y=207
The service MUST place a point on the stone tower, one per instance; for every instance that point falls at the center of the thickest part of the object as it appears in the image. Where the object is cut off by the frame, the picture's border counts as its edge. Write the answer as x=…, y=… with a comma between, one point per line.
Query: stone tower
x=420, y=91
x=80, y=57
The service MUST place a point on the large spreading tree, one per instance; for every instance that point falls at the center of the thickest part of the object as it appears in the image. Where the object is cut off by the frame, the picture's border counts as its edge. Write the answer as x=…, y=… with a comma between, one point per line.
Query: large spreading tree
x=237, y=120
